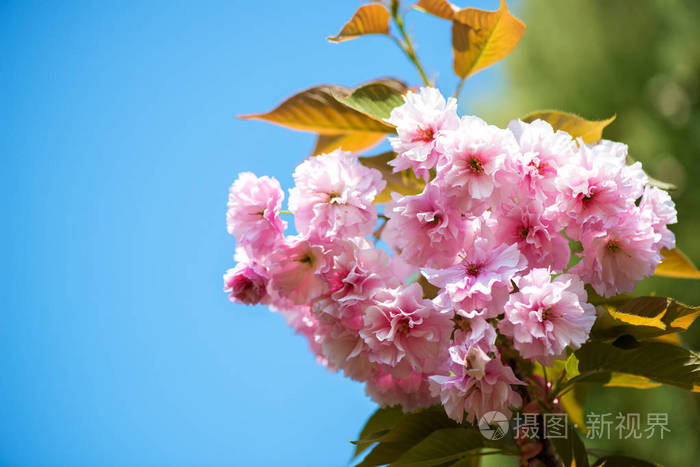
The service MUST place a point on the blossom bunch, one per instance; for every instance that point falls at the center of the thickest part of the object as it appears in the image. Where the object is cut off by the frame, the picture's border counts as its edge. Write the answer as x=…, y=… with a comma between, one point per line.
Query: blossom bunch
x=426, y=301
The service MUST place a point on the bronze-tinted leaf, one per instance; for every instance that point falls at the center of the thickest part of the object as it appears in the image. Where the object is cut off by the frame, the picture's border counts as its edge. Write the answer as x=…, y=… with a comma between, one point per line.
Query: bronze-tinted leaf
x=676, y=264
x=440, y=8
x=316, y=109
x=403, y=182
x=481, y=38
x=368, y=19
x=354, y=142
x=589, y=130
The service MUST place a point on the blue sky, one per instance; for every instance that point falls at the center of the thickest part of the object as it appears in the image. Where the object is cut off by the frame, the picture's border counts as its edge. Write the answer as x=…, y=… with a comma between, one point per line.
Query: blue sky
x=119, y=140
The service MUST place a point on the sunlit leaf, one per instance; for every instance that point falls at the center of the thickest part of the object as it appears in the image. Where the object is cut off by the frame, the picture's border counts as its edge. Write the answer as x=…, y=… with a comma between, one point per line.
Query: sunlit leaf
x=404, y=182
x=571, y=366
x=368, y=19
x=643, y=318
x=316, y=110
x=354, y=142
x=376, y=99
x=481, y=38
x=440, y=8
x=590, y=131
x=676, y=264
x=442, y=446
x=660, y=362
x=625, y=380
x=573, y=402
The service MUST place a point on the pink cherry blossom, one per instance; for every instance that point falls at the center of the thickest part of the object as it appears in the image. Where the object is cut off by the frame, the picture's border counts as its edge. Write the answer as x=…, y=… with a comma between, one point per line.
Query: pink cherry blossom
x=247, y=284
x=421, y=123
x=538, y=238
x=543, y=152
x=545, y=316
x=480, y=282
x=478, y=384
x=402, y=328
x=657, y=206
x=293, y=268
x=475, y=154
x=411, y=392
x=617, y=256
x=425, y=228
x=253, y=212
x=333, y=196
x=599, y=186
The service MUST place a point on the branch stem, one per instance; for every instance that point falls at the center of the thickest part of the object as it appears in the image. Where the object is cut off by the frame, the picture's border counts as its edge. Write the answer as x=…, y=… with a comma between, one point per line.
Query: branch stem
x=407, y=46
x=459, y=88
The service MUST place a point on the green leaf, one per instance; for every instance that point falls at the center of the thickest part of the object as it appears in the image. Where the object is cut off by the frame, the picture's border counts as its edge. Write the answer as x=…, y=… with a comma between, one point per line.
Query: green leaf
x=376, y=99
x=571, y=449
x=368, y=19
x=590, y=131
x=676, y=264
x=658, y=361
x=404, y=182
x=481, y=38
x=378, y=424
x=317, y=110
x=642, y=318
x=442, y=446
x=622, y=461
x=410, y=430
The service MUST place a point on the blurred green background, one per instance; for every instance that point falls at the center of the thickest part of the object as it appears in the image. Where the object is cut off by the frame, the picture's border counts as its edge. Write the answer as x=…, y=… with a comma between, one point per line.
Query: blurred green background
x=640, y=60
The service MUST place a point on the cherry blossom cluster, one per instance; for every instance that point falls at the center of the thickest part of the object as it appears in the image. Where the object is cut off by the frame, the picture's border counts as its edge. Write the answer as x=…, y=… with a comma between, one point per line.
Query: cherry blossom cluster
x=421, y=301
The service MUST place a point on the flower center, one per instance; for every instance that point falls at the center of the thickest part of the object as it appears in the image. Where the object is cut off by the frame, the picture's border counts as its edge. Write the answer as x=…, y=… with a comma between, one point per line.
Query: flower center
x=473, y=269
x=404, y=327
x=475, y=165
x=613, y=246
x=306, y=259
x=546, y=314
x=523, y=231
x=334, y=197
x=426, y=135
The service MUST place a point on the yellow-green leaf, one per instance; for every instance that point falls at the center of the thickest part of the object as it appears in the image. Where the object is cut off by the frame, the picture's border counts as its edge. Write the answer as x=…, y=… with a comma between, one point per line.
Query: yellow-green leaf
x=353, y=142
x=626, y=380
x=643, y=318
x=481, y=38
x=440, y=8
x=676, y=264
x=573, y=402
x=590, y=131
x=316, y=109
x=376, y=99
x=403, y=182
x=368, y=19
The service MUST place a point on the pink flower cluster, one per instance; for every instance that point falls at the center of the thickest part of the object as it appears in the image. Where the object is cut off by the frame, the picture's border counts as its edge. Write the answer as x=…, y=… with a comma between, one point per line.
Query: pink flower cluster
x=491, y=233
